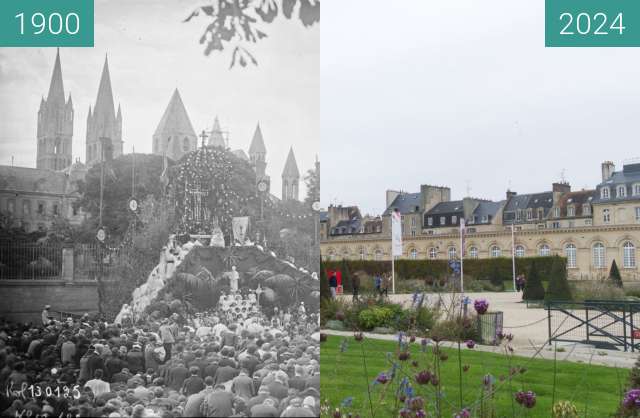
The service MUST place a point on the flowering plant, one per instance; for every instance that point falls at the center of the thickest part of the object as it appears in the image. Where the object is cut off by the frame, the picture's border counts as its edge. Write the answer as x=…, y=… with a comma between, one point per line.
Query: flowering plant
x=481, y=306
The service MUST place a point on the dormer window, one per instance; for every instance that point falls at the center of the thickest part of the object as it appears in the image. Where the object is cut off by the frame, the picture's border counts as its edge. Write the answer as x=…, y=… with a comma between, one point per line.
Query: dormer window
x=454, y=219
x=604, y=193
x=636, y=189
x=571, y=210
x=443, y=220
x=529, y=214
x=586, y=210
x=622, y=191
x=556, y=212
x=430, y=221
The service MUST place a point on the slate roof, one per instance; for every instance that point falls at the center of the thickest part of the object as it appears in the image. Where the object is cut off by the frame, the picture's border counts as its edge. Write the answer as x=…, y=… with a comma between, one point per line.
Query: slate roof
x=486, y=209
x=175, y=120
x=351, y=226
x=534, y=201
x=629, y=176
x=453, y=206
x=578, y=199
x=405, y=202
x=24, y=179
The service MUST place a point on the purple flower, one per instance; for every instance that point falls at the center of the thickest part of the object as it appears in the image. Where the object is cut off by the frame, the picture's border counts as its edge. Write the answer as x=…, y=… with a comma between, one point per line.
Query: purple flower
x=424, y=377
x=420, y=413
x=470, y=343
x=382, y=378
x=481, y=306
x=463, y=414
x=403, y=356
x=526, y=399
x=632, y=399
x=358, y=336
x=405, y=413
x=416, y=403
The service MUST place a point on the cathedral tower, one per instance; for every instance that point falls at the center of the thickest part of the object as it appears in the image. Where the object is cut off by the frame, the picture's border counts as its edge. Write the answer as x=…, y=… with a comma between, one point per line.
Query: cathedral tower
x=55, y=125
x=174, y=135
x=258, y=156
x=104, y=126
x=290, y=178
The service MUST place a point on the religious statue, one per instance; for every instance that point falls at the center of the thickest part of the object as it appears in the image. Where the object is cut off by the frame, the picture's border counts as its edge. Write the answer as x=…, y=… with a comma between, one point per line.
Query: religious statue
x=234, y=278
x=217, y=237
x=259, y=291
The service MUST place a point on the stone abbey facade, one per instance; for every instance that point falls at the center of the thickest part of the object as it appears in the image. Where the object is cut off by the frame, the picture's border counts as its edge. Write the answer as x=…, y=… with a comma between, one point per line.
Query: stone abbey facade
x=589, y=227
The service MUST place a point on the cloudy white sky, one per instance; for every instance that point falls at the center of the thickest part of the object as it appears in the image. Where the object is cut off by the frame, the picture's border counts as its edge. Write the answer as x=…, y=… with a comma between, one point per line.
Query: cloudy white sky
x=464, y=92
x=151, y=52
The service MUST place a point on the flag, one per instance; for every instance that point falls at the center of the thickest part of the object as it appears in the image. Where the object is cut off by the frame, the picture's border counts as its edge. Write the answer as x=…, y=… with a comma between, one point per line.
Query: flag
x=463, y=231
x=396, y=233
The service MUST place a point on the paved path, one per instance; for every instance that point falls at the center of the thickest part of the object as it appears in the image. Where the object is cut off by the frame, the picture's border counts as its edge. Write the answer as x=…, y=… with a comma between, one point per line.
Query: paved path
x=529, y=327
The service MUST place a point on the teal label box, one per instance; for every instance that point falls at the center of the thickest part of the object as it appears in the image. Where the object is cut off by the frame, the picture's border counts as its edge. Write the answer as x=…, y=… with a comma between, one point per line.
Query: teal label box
x=46, y=23
x=592, y=23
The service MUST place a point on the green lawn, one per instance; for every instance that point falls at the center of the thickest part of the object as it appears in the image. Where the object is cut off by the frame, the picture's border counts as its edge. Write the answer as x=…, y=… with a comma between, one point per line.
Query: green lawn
x=595, y=390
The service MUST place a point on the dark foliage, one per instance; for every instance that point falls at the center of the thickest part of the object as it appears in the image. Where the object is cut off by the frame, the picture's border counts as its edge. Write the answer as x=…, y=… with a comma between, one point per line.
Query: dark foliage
x=614, y=274
x=533, y=290
x=558, y=288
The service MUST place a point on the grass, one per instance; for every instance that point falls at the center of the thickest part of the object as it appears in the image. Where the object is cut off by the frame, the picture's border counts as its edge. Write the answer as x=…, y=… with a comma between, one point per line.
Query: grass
x=595, y=390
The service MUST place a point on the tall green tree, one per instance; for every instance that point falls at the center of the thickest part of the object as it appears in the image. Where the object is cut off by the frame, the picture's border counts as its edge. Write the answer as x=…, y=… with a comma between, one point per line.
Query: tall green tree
x=118, y=190
x=325, y=292
x=558, y=288
x=614, y=274
x=533, y=289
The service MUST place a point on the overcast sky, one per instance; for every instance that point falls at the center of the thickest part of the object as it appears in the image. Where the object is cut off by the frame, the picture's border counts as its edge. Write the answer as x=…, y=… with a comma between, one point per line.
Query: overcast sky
x=461, y=91
x=151, y=52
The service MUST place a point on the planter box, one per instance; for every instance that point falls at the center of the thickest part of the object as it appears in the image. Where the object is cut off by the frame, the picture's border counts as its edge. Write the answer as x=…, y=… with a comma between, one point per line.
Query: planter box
x=489, y=326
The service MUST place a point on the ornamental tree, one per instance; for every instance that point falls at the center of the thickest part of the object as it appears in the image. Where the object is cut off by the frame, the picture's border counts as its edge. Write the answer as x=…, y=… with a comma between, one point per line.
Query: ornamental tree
x=533, y=289
x=558, y=288
x=614, y=275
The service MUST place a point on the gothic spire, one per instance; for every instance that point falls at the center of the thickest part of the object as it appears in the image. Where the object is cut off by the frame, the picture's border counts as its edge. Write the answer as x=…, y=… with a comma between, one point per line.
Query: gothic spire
x=257, y=143
x=291, y=167
x=104, y=103
x=216, y=139
x=175, y=120
x=56, y=88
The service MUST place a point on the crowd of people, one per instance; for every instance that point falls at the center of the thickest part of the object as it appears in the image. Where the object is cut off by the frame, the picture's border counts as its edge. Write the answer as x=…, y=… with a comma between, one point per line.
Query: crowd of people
x=233, y=360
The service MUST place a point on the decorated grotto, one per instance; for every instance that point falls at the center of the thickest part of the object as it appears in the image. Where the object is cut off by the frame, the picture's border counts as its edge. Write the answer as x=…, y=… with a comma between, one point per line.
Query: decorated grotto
x=223, y=226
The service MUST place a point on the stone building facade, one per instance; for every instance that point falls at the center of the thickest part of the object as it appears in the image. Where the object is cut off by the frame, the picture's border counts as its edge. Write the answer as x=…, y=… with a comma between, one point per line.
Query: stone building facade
x=592, y=228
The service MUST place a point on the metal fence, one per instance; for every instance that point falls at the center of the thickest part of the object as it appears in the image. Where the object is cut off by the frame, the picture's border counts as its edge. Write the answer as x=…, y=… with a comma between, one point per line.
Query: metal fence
x=489, y=327
x=602, y=323
x=30, y=261
x=92, y=260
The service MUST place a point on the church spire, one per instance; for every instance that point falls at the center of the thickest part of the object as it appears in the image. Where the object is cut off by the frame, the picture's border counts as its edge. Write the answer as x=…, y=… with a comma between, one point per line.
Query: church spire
x=257, y=143
x=104, y=103
x=291, y=167
x=56, y=88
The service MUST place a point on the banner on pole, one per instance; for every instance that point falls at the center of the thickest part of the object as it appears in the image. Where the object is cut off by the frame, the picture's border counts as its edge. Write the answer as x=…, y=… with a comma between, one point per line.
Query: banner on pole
x=396, y=233
x=463, y=231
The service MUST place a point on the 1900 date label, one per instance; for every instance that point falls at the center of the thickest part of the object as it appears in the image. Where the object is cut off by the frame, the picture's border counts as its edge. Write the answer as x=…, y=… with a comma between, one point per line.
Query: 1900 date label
x=42, y=23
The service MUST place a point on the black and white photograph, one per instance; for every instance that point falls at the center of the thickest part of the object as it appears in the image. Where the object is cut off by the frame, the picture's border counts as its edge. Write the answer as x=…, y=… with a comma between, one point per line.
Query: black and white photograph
x=159, y=214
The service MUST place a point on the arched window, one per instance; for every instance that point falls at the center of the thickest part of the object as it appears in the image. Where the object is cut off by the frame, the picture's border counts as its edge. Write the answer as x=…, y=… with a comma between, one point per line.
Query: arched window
x=544, y=250
x=604, y=193
x=599, y=260
x=473, y=252
x=571, y=253
x=495, y=251
x=520, y=251
x=433, y=253
x=378, y=254
x=413, y=254
x=629, y=255
x=453, y=253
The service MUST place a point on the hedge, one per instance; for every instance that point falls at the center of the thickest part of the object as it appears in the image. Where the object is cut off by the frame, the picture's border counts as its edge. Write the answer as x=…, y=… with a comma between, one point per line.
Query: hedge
x=479, y=269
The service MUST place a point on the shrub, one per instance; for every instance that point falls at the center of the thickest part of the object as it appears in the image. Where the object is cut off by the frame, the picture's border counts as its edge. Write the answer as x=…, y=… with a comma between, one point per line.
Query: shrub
x=456, y=329
x=533, y=289
x=597, y=289
x=496, y=278
x=558, y=288
x=614, y=275
x=377, y=316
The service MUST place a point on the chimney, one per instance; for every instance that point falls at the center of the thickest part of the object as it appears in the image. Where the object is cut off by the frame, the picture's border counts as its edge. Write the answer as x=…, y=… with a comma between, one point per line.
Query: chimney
x=561, y=187
x=607, y=170
x=391, y=196
x=510, y=194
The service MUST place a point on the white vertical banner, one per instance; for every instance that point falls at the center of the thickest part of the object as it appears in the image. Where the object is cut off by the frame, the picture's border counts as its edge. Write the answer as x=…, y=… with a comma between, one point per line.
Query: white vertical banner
x=396, y=244
x=462, y=252
x=240, y=227
x=396, y=233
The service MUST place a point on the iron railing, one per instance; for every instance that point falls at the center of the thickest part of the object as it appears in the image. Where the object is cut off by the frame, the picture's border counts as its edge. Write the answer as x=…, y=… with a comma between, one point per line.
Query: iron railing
x=602, y=323
x=30, y=261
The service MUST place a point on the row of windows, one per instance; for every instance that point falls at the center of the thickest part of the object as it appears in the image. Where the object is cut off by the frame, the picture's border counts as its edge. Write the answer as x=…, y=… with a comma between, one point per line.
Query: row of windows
x=621, y=191
x=34, y=207
x=570, y=251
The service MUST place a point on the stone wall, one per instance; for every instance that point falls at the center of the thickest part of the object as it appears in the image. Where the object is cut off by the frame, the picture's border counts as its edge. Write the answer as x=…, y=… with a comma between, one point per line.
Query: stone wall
x=24, y=300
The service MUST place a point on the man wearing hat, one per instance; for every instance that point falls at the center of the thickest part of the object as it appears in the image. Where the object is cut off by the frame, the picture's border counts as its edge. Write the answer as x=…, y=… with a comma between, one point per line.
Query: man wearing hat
x=46, y=316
